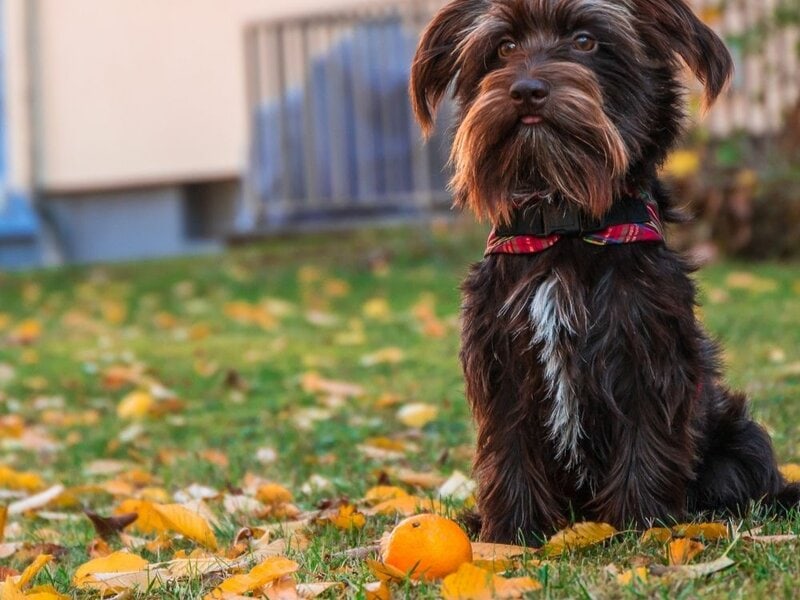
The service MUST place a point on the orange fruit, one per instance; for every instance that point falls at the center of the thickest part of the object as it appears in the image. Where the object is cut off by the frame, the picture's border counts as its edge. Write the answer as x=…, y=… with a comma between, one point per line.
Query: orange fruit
x=427, y=547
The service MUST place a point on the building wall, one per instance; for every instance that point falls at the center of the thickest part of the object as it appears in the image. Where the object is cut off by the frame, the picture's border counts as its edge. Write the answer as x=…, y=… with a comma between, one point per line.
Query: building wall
x=146, y=91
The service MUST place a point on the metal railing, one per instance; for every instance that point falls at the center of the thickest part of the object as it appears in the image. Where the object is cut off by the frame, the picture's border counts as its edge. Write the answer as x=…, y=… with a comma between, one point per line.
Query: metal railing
x=333, y=136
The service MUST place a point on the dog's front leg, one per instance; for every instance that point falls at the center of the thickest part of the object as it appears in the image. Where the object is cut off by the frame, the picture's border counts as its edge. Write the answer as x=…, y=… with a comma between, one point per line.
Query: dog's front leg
x=648, y=475
x=516, y=498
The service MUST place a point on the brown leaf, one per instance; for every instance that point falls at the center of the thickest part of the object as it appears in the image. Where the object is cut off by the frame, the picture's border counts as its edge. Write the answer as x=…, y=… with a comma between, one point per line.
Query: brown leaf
x=772, y=539
x=108, y=528
x=483, y=551
x=694, y=571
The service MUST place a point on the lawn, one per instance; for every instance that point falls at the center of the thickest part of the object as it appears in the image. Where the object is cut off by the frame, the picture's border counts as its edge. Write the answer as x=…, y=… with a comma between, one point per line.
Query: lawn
x=327, y=365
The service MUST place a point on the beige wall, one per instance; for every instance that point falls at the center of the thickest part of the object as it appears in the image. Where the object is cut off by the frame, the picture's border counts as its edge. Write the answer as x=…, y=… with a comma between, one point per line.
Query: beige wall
x=140, y=91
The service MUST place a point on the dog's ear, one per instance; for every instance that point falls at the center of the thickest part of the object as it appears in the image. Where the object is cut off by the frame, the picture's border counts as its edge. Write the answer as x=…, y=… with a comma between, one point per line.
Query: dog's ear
x=434, y=65
x=680, y=31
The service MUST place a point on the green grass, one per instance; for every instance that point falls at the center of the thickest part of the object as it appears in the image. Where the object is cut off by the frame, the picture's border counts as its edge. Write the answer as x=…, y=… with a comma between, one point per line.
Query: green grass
x=56, y=384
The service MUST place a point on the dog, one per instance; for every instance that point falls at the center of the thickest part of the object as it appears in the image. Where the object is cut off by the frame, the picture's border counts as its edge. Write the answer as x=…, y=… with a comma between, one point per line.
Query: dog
x=596, y=393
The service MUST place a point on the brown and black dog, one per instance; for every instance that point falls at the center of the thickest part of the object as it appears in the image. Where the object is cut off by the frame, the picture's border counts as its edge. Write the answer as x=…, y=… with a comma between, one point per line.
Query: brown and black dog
x=596, y=392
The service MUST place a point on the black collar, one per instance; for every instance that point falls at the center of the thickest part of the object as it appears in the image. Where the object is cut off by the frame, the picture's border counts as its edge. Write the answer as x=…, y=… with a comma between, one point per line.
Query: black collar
x=553, y=215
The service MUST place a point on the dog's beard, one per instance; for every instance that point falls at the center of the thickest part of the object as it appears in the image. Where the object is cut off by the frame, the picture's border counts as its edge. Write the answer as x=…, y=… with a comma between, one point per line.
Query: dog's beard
x=576, y=151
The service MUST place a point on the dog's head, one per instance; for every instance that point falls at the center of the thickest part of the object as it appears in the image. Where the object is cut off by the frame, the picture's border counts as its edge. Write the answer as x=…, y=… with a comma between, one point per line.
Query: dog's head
x=568, y=97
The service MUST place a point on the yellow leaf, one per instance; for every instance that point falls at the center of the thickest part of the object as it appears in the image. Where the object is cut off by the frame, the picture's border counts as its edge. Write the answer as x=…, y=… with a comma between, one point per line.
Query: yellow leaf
x=377, y=309
x=580, y=535
x=268, y=571
x=632, y=575
x=658, y=534
x=45, y=592
x=170, y=517
x=135, y=405
x=468, y=583
x=378, y=590
x=33, y=570
x=17, y=480
x=417, y=415
x=26, y=332
x=348, y=518
x=406, y=506
x=421, y=480
x=791, y=473
x=682, y=164
x=273, y=494
x=10, y=590
x=683, y=551
x=381, y=493
x=707, y=531
x=473, y=583
x=119, y=562
x=515, y=587
x=483, y=551
x=386, y=572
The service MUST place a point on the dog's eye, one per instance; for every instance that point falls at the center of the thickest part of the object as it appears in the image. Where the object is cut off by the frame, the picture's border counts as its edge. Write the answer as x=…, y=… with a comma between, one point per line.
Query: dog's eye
x=584, y=42
x=506, y=48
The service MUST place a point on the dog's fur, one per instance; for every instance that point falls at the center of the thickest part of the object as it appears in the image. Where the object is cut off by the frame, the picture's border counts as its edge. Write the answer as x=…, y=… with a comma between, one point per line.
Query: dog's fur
x=596, y=392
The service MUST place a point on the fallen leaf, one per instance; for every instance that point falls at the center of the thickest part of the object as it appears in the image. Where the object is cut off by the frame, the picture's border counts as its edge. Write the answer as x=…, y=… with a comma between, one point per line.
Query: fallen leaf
x=35, y=502
x=378, y=590
x=170, y=517
x=706, y=531
x=658, y=534
x=694, y=571
x=386, y=356
x=425, y=481
x=109, y=527
x=580, y=535
x=3, y=519
x=682, y=551
x=473, y=583
x=33, y=570
x=136, y=405
x=381, y=493
x=791, y=473
x=268, y=571
x=406, y=506
x=386, y=572
x=17, y=480
x=312, y=590
x=119, y=562
x=772, y=539
x=484, y=551
x=348, y=518
x=633, y=575
x=458, y=487
x=417, y=415
x=741, y=280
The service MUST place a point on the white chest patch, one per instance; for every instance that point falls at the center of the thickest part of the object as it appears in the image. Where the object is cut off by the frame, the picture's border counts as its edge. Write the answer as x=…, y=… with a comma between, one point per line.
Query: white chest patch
x=556, y=322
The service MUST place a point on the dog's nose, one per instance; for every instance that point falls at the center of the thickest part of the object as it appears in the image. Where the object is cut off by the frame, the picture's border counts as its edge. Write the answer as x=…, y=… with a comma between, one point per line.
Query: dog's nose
x=533, y=92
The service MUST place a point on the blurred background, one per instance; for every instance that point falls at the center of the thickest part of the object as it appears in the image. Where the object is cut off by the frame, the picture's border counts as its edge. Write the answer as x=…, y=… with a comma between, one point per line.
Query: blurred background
x=143, y=128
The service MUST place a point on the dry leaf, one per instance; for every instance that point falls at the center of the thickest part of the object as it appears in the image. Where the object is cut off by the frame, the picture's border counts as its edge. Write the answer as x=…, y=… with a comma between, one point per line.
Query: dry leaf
x=109, y=527
x=694, y=571
x=417, y=415
x=378, y=590
x=386, y=572
x=16, y=480
x=473, y=583
x=273, y=494
x=683, y=551
x=270, y=570
x=791, y=473
x=658, y=534
x=706, y=531
x=458, y=487
x=33, y=570
x=348, y=518
x=135, y=405
x=580, y=535
x=633, y=575
x=3, y=519
x=483, y=551
x=381, y=493
x=406, y=506
x=170, y=517
x=425, y=481
x=119, y=562
x=35, y=502
x=772, y=539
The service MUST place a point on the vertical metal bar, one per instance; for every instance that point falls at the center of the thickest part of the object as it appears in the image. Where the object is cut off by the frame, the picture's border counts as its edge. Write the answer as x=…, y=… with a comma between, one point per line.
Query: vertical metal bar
x=310, y=170
x=363, y=98
x=283, y=88
x=421, y=152
x=335, y=88
x=250, y=191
